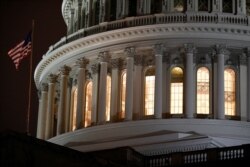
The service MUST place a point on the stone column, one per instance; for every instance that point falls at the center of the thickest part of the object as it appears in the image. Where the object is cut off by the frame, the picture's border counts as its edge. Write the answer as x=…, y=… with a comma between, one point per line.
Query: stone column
x=80, y=115
x=115, y=89
x=217, y=6
x=130, y=53
x=191, y=5
x=102, y=87
x=102, y=14
x=50, y=110
x=95, y=75
x=71, y=27
x=189, y=81
x=158, y=49
x=248, y=84
x=41, y=122
x=119, y=7
x=241, y=7
x=125, y=8
x=138, y=96
x=68, y=107
x=64, y=70
x=241, y=105
x=79, y=15
x=220, y=53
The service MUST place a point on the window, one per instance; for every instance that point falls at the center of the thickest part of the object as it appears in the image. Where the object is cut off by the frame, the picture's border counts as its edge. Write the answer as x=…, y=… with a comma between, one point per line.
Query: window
x=74, y=100
x=229, y=92
x=203, y=5
x=97, y=12
x=132, y=6
x=123, y=94
x=179, y=5
x=108, y=98
x=156, y=6
x=248, y=7
x=149, y=91
x=202, y=91
x=176, y=89
x=88, y=103
x=228, y=6
x=113, y=4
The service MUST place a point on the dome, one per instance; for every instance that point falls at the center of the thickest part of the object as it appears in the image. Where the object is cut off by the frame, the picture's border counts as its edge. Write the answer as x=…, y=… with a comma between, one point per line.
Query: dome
x=159, y=76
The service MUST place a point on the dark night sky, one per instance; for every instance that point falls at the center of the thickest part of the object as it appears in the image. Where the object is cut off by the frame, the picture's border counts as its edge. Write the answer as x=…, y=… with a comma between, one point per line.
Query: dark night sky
x=15, y=22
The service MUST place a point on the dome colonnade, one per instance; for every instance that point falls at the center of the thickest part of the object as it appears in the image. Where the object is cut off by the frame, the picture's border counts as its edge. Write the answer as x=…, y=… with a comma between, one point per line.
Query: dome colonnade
x=181, y=59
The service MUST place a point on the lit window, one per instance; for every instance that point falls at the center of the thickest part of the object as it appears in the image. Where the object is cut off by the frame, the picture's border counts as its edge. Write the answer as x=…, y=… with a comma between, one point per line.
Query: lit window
x=203, y=91
x=229, y=79
x=176, y=91
x=179, y=5
x=88, y=104
x=149, y=91
x=123, y=94
x=108, y=98
x=74, y=100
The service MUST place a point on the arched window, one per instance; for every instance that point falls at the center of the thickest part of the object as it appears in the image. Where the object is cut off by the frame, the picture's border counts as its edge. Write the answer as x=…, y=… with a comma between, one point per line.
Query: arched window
x=179, y=5
x=149, y=91
x=132, y=6
x=228, y=6
x=108, y=98
x=88, y=103
x=113, y=4
x=74, y=106
x=229, y=88
x=97, y=12
x=123, y=94
x=203, y=5
x=202, y=90
x=176, y=89
x=156, y=6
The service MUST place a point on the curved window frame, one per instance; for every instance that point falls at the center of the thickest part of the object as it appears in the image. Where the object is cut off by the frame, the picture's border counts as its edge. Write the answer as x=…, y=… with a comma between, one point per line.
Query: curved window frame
x=178, y=88
x=205, y=100
x=151, y=93
x=88, y=103
x=230, y=109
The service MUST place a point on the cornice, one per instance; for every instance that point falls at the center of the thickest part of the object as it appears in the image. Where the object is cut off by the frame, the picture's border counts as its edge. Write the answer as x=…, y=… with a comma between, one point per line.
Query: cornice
x=98, y=42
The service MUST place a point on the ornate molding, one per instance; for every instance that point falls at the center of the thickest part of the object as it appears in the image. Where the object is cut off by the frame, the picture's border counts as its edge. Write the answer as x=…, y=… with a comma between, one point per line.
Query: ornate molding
x=221, y=49
x=65, y=47
x=190, y=48
x=243, y=59
x=138, y=60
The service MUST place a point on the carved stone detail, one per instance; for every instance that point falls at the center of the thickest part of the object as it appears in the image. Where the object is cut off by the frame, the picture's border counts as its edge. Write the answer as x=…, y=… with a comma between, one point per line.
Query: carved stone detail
x=130, y=51
x=189, y=48
x=104, y=56
x=82, y=62
x=116, y=63
x=158, y=49
x=95, y=68
x=138, y=60
x=221, y=49
x=44, y=87
x=64, y=70
x=52, y=78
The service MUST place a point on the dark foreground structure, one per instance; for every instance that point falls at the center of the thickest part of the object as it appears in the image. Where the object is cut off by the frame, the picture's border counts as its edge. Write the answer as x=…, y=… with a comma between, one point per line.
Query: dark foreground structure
x=22, y=150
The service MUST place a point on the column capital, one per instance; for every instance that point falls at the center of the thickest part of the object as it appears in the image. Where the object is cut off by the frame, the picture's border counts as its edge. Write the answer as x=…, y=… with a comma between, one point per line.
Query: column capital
x=95, y=68
x=159, y=49
x=72, y=11
x=104, y=56
x=44, y=87
x=64, y=70
x=82, y=62
x=139, y=60
x=52, y=78
x=116, y=63
x=247, y=52
x=189, y=48
x=130, y=51
x=220, y=49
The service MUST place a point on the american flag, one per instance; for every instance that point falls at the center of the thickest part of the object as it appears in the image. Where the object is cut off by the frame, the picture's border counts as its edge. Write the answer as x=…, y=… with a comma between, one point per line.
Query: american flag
x=21, y=50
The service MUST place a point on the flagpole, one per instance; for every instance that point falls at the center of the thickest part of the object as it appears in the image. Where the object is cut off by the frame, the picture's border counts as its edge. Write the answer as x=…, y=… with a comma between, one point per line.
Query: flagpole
x=30, y=78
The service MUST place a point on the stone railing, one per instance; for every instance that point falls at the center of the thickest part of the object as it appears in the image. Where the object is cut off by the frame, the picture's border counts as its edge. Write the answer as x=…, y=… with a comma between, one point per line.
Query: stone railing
x=226, y=155
x=200, y=17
